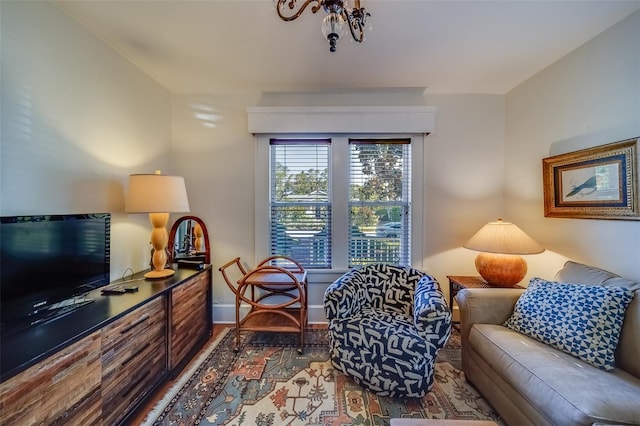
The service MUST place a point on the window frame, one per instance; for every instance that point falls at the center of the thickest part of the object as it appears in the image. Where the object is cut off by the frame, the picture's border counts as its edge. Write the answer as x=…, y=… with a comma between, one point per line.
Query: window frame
x=339, y=166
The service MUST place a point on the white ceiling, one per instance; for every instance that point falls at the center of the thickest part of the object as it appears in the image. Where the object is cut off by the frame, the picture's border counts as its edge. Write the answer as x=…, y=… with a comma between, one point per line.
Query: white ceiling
x=451, y=46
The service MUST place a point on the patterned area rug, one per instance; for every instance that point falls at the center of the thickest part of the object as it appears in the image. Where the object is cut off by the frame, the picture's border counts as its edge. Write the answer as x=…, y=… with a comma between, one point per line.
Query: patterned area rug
x=268, y=383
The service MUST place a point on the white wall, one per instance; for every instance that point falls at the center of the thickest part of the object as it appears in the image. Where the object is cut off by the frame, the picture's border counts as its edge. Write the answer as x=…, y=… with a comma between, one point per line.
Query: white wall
x=77, y=119
x=463, y=176
x=588, y=98
x=218, y=166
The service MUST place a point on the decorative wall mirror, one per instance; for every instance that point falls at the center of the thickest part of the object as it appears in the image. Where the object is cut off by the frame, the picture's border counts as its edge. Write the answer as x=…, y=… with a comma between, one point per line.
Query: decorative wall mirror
x=189, y=240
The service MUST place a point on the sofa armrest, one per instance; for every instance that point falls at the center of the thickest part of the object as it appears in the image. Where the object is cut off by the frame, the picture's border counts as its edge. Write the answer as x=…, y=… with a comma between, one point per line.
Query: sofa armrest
x=487, y=305
x=483, y=306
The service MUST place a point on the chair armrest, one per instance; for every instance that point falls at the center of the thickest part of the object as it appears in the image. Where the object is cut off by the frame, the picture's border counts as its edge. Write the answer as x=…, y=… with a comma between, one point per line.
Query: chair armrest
x=345, y=296
x=431, y=314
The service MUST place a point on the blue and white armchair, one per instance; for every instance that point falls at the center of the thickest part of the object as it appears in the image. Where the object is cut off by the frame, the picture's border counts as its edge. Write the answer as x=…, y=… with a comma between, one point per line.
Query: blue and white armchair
x=386, y=325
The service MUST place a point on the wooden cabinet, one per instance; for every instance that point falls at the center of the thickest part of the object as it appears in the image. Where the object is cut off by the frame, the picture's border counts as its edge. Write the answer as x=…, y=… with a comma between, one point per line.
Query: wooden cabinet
x=134, y=358
x=65, y=389
x=190, y=318
x=125, y=348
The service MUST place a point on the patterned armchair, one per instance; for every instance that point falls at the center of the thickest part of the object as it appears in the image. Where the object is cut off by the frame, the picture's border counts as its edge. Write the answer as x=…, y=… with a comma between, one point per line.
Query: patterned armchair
x=386, y=325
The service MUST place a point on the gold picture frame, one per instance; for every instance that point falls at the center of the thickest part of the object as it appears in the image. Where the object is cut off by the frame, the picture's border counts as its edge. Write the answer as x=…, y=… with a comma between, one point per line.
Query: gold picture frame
x=593, y=183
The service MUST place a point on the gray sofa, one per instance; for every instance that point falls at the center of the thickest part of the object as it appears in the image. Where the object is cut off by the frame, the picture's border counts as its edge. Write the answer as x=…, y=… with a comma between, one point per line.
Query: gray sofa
x=531, y=383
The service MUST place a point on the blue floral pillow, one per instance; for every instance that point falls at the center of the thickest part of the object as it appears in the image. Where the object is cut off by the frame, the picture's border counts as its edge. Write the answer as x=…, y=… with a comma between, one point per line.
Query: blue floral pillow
x=582, y=320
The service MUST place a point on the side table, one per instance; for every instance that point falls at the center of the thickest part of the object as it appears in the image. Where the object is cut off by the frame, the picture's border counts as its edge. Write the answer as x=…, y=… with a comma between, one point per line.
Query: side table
x=459, y=282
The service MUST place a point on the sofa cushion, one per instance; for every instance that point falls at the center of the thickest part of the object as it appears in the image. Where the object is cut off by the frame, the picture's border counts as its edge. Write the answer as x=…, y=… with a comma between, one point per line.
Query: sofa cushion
x=574, y=272
x=568, y=390
x=582, y=320
x=628, y=352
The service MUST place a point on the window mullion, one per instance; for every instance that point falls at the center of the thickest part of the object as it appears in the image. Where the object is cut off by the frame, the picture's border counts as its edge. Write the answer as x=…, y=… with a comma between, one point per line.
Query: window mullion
x=340, y=218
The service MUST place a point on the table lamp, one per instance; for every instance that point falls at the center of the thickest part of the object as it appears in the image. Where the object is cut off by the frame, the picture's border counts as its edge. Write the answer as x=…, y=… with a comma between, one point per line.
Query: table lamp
x=501, y=244
x=158, y=195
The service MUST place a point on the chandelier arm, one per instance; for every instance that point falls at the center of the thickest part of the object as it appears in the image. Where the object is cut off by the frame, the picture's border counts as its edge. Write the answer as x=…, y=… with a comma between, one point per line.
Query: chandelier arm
x=291, y=4
x=353, y=26
x=356, y=23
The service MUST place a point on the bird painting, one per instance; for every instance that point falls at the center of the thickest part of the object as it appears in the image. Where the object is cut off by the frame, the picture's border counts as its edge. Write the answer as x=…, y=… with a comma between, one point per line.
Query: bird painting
x=588, y=187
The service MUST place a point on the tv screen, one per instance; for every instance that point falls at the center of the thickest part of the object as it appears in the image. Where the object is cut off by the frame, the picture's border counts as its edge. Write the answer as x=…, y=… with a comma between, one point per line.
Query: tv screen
x=47, y=259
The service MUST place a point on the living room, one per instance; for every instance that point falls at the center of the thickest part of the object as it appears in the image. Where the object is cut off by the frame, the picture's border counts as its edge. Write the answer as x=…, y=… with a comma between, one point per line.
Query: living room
x=78, y=117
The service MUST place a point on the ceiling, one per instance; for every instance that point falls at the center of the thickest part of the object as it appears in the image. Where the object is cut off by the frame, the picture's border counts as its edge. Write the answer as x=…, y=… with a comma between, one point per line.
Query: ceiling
x=451, y=46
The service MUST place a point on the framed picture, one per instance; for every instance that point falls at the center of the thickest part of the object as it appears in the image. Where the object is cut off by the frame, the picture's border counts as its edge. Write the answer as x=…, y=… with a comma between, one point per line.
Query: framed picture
x=594, y=183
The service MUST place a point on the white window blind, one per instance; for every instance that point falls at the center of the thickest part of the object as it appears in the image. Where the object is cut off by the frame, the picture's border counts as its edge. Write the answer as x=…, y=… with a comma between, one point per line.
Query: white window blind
x=300, y=200
x=372, y=195
x=379, y=201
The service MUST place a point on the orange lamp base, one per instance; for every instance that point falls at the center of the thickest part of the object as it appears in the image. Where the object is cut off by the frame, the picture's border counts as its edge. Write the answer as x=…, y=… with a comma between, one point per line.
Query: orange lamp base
x=159, y=239
x=162, y=273
x=501, y=270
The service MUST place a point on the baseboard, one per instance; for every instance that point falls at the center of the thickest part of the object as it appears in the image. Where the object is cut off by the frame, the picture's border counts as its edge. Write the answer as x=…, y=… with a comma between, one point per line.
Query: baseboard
x=226, y=314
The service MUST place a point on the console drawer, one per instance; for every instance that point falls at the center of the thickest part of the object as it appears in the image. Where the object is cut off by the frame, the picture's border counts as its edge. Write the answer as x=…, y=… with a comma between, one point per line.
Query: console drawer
x=189, y=317
x=62, y=388
x=133, y=327
x=134, y=358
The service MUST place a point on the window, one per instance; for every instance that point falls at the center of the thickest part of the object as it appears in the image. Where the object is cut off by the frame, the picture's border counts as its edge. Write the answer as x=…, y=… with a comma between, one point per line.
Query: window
x=340, y=202
x=300, y=201
x=379, y=201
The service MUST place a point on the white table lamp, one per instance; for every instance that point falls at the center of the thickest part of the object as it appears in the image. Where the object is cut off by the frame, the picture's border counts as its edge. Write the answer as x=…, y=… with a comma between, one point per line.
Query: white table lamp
x=159, y=195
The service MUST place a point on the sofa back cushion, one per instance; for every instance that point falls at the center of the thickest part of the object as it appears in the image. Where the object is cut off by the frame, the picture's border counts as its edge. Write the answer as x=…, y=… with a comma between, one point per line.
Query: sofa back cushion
x=582, y=320
x=628, y=351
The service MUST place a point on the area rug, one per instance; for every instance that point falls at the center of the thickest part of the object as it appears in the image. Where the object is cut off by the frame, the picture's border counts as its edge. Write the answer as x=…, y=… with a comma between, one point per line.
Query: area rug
x=268, y=383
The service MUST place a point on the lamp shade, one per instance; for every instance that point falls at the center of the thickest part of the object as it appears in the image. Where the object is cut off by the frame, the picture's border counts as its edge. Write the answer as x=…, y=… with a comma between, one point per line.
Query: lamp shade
x=156, y=193
x=504, y=238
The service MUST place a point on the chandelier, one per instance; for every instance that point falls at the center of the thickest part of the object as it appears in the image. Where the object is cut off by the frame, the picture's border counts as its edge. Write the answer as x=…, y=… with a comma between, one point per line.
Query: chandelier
x=333, y=25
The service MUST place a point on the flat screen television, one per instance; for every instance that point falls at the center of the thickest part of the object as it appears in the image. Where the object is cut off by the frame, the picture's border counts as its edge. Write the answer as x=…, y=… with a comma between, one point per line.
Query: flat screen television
x=48, y=262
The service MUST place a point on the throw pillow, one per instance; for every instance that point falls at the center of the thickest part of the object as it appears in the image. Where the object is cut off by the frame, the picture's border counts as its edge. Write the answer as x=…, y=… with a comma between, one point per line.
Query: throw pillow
x=582, y=320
